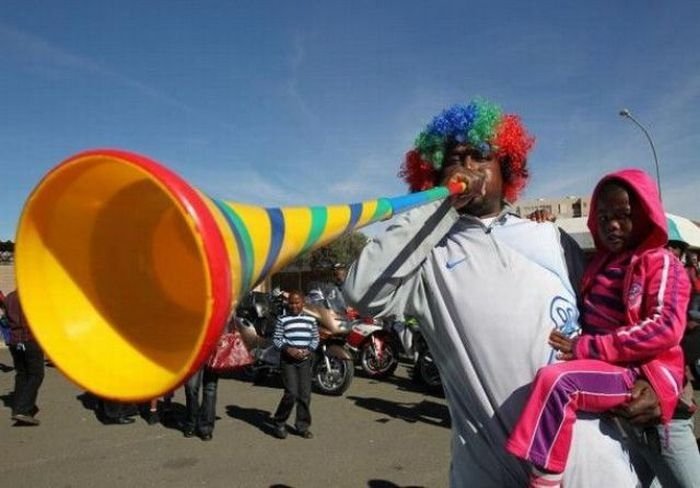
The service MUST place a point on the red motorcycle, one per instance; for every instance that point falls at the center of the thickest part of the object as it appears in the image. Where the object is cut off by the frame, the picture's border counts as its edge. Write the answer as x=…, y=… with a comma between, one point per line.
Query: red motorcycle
x=375, y=347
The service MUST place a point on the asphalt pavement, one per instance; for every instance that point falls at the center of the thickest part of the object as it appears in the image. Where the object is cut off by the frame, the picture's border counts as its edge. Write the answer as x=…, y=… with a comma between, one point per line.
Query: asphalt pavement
x=380, y=434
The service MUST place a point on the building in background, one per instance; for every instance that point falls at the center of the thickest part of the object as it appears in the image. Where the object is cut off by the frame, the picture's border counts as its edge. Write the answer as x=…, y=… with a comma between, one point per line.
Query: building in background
x=564, y=207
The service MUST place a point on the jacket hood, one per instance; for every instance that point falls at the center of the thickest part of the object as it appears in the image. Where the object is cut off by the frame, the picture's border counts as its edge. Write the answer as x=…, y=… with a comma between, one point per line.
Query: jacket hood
x=647, y=195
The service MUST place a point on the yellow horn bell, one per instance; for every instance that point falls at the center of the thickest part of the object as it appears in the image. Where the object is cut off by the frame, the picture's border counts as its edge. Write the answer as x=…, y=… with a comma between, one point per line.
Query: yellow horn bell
x=127, y=274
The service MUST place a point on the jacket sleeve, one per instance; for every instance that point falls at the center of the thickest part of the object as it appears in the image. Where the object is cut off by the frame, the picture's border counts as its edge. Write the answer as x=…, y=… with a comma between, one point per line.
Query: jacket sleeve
x=665, y=295
x=386, y=273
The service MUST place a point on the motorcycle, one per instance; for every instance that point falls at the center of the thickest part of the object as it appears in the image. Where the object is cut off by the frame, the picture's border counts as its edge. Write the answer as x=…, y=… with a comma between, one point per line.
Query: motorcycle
x=414, y=345
x=375, y=347
x=332, y=367
x=261, y=310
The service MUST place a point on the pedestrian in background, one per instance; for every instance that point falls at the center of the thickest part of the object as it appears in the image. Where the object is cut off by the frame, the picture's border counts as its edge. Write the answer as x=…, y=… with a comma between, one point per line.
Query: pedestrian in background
x=296, y=337
x=28, y=359
x=201, y=415
x=4, y=324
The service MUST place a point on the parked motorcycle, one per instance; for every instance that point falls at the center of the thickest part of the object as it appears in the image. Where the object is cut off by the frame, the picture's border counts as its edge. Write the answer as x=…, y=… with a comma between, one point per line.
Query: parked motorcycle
x=332, y=369
x=261, y=310
x=415, y=347
x=376, y=347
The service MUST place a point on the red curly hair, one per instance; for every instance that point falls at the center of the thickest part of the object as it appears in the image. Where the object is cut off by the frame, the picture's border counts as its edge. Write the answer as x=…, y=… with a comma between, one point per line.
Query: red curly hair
x=504, y=134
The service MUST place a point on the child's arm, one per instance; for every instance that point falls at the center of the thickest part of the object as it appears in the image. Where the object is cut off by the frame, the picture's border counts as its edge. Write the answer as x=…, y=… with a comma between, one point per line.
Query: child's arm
x=664, y=298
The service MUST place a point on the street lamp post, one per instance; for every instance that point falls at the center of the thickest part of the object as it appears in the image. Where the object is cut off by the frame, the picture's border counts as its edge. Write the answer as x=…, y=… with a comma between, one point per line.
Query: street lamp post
x=626, y=113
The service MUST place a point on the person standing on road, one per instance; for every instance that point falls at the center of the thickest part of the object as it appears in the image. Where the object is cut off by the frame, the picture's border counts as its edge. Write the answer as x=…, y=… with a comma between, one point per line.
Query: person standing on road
x=201, y=415
x=487, y=288
x=4, y=324
x=296, y=337
x=28, y=359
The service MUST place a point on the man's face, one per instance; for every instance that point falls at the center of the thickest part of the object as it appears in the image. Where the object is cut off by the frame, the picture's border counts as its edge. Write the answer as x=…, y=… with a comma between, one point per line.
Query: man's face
x=295, y=304
x=489, y=168
x=339, y=275
x=617, y=210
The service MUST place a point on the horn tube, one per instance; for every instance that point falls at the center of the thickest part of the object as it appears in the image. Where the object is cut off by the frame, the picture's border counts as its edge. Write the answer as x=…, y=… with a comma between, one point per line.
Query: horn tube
x=127, y=274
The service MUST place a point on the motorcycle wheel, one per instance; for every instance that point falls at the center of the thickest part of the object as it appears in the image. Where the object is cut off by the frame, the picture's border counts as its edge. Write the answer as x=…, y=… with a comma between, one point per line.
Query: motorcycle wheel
x=375, y=367
x=427, y=371
x=336, y=380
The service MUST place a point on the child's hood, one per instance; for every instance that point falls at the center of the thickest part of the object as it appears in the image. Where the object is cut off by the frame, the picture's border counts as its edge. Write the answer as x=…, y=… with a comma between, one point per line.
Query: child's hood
x=647, y=195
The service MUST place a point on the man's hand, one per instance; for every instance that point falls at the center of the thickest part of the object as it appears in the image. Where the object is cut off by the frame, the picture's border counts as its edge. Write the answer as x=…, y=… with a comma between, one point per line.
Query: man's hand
x=473, y=181
x=563, y=344
x=643, y=409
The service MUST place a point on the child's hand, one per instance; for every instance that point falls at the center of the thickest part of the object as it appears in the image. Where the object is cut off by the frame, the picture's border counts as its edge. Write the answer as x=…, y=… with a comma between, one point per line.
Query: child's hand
x=563, y=344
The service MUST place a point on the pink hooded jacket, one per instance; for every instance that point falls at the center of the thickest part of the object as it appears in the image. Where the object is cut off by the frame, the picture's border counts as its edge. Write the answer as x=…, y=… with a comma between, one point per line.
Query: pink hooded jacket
x=656, y=292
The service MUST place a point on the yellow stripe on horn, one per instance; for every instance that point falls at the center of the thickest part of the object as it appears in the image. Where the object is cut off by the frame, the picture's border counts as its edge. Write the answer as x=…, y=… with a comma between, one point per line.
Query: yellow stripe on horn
x=337, y=220
x=368, y=210
x=297, y=226
x=257, y=223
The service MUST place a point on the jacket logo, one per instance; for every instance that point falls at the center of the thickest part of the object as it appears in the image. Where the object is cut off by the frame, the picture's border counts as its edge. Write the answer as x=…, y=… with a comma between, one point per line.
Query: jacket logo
x=635, y=293
x=564, y=316
x=452, y=264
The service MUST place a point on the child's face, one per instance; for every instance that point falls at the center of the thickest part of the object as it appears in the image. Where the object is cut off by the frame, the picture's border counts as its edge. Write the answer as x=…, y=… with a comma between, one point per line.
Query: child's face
x=616, y=214
x=295, y=304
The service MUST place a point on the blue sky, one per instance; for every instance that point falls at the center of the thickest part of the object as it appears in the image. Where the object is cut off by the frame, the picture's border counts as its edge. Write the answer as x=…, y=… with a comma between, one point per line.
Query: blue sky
x=279, y=102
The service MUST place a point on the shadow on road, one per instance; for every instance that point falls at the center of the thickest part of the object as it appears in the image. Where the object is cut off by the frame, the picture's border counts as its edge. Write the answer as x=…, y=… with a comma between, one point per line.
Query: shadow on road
x=388, y=484
x=8, y=399
x=408, y=384
x=172, y=416
x=253, y=416
x=425, y=411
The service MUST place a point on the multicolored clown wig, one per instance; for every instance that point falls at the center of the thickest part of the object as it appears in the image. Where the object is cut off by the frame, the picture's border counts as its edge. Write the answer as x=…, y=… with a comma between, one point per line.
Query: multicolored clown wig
x=481, y=125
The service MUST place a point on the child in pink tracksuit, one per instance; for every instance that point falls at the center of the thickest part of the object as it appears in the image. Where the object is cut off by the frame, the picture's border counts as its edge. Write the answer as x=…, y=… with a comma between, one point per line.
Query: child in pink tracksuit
x=635, y=294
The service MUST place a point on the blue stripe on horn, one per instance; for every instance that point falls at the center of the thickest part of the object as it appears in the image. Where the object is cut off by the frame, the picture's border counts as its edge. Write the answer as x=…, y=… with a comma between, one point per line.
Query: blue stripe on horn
x=240, y=233
x=405, y=202
x=355, y=214
x=277, y=229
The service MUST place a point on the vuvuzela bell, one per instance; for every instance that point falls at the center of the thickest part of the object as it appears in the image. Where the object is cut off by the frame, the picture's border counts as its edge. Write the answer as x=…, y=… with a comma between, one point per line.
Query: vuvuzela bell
x=127, y=274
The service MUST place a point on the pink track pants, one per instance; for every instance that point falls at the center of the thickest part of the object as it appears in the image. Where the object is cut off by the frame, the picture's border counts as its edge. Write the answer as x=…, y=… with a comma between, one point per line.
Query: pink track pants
x=542, y=435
